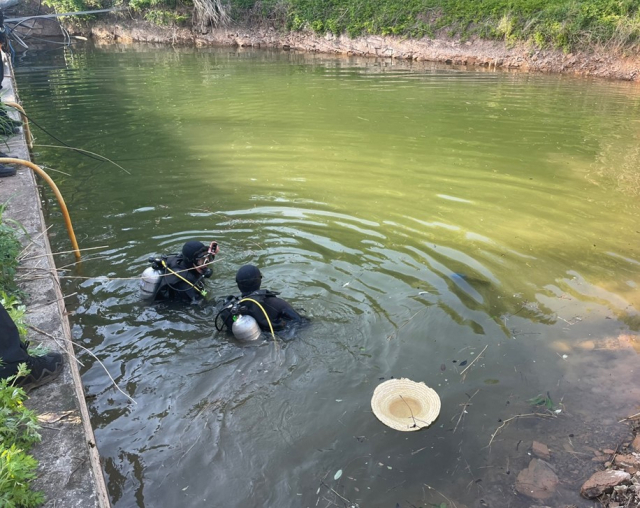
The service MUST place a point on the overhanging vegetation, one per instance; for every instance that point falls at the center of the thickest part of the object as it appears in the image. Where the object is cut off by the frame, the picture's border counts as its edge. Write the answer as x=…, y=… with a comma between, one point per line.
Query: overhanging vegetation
x=564, y=24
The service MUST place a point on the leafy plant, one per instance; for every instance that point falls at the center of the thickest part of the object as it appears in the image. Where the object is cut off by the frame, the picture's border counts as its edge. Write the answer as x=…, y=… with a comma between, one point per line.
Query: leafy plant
x=543, y=401
x=138, y=5
x=10, y=248
x=162, y=17
x=17, y=471
x=18, y=425
x=18, y=431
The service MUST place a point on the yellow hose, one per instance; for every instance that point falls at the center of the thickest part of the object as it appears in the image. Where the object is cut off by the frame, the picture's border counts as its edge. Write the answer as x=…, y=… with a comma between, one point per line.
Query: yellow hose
x=25, y=121
x=265, y=314
x=63, y=206
x=201, y=291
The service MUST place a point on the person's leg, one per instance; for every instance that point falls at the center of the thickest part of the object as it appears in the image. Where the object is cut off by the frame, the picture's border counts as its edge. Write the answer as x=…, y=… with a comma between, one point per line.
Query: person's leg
x=13, y=352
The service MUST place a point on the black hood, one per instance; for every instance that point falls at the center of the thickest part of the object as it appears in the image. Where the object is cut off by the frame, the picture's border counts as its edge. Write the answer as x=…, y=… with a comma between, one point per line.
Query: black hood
x=249, y=279
x=192, y=251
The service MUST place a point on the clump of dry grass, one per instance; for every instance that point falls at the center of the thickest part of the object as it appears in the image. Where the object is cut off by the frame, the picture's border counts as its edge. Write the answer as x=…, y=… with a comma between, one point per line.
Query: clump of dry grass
x=210, y=13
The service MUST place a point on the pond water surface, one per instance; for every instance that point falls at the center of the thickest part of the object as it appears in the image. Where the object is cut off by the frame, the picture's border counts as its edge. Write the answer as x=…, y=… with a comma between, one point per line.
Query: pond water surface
x=420, y=216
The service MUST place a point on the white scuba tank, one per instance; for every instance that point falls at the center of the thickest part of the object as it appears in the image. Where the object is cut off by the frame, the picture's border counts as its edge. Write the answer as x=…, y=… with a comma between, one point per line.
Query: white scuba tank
x=245, y=328
x=150, y=281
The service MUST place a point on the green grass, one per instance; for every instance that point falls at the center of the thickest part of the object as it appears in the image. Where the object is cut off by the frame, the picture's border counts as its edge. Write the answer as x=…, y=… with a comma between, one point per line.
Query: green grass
x=18, y=425
x=563, y=24
x=10, y=248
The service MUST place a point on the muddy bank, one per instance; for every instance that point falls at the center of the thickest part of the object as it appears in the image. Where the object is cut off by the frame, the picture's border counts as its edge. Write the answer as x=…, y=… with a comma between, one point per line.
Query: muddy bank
x=474, y=53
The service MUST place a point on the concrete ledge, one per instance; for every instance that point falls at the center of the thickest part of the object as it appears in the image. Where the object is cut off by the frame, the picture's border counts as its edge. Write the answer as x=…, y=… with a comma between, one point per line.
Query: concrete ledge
x=69, y=473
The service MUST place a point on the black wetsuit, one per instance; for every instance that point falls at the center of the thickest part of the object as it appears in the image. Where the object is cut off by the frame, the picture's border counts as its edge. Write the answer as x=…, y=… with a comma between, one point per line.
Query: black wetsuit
x=12, y=350
x=173, y=287
x=279, y=311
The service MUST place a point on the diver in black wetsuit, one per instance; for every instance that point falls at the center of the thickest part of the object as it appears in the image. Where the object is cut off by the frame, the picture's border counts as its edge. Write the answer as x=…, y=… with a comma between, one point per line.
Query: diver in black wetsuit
x=181, y=276
x=280, y=313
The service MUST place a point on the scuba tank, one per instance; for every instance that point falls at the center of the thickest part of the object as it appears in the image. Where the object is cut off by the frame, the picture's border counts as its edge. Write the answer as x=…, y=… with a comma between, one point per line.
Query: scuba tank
x=151, y=277
x=245, y=328
x=235, y=318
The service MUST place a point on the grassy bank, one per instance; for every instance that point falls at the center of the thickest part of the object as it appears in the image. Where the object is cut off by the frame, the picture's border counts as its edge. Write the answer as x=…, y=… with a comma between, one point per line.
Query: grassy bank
x=558, y=24
x=564, y=24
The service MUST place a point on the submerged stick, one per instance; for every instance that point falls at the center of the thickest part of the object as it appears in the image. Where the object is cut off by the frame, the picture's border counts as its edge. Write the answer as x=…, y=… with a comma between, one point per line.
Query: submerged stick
x=629, y=418
x=464, y=408
x=514, y=418
x=440, y=493
x=36, y=329
x=102, y=157
x=63, y=252
x=403, y=324
x=474, y=361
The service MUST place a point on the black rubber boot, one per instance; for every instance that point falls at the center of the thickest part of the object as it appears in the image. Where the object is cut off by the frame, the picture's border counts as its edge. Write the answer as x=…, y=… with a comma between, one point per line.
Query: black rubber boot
x=42, y=370
x=7, y=171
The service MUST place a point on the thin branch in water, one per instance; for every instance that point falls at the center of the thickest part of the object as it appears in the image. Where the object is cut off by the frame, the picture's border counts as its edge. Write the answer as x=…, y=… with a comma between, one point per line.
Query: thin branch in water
x=87, y=151
x=49, y=302
x=441, y=494
x=405, y=324
x=464, y=409
x=395, y=486
x=34, y=328
x=49, y=168
x=343, y=498
x=63, y=252
x=539, y=415
x=474, y=361
x=632, y=417
x=63, y=267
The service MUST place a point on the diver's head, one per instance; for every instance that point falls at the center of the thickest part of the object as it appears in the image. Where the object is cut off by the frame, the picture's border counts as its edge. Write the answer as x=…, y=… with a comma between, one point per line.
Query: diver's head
x=248, y=279
x=192, y=251
x=199, y=255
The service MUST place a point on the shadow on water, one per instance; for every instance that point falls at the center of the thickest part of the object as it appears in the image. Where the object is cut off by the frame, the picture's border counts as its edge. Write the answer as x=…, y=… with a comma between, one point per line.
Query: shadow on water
x=476, y=231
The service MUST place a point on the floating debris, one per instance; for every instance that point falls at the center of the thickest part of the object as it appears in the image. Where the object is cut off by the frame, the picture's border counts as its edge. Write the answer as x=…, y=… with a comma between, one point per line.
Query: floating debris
x=542, y=400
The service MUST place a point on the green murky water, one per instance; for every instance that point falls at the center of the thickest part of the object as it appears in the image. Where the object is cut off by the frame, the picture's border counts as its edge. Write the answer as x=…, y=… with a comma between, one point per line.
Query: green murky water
x=421, y=216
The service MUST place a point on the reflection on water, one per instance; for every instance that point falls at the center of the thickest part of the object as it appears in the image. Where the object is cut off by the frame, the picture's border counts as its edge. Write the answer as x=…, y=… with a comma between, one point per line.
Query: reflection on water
x=421, y=217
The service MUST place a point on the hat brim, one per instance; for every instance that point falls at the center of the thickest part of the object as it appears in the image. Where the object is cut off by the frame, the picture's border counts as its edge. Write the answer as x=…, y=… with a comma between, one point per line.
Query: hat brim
x=405, y=405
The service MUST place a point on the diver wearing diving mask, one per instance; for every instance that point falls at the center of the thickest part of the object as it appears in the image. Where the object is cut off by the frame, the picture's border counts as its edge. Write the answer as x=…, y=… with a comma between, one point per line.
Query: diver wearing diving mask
x=180, y=276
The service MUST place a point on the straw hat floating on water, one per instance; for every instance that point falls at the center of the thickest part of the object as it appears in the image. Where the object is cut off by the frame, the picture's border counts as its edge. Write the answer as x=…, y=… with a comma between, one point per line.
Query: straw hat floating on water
x=405, y=405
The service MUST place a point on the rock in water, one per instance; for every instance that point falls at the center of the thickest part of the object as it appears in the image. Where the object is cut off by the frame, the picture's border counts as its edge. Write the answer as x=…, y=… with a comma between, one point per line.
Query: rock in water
x=602, y=481
x=538, y=481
